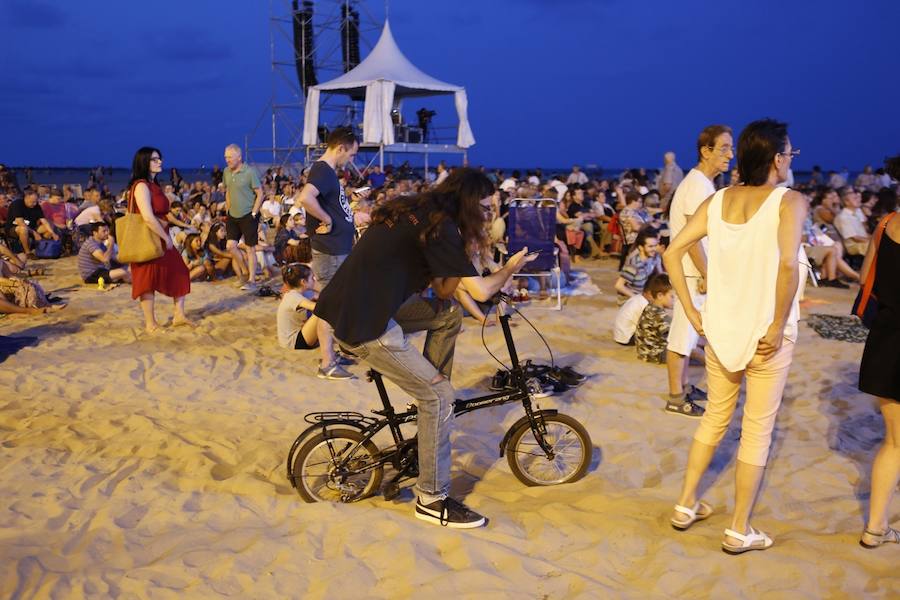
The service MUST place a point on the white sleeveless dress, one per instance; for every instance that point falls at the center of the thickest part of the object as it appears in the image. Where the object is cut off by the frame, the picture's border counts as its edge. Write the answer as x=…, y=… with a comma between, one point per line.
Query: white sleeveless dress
x=741, y=272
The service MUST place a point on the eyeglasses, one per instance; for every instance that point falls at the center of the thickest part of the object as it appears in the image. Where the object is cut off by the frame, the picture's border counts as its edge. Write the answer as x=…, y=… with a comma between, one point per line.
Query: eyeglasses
x=791, y=154
x=486, y=210
x=155, y=159
x=723, y=151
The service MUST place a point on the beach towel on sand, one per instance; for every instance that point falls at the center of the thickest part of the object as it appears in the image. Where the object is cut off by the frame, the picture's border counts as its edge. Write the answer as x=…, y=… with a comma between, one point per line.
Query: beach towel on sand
x=838, y=327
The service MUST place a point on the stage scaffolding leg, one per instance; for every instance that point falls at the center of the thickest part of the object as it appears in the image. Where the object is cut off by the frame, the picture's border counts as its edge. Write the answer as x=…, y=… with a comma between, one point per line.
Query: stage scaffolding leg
x=381, y=157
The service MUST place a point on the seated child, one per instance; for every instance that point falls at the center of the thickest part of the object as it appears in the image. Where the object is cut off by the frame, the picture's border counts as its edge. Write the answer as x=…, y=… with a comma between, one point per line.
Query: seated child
x=197, y=259
x=630, y=313
x=653, y=326
x=296, y=323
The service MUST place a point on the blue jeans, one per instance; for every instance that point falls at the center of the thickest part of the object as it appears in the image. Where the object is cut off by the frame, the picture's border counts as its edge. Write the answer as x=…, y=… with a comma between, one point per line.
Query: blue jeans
x=414, y=372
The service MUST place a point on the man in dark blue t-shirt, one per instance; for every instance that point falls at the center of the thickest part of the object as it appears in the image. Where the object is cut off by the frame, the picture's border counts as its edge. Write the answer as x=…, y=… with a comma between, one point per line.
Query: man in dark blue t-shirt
x=329, y=221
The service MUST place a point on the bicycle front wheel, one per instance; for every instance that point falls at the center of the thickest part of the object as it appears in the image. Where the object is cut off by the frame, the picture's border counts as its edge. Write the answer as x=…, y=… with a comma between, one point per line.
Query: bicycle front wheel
x=569, y=442
x=334, y=467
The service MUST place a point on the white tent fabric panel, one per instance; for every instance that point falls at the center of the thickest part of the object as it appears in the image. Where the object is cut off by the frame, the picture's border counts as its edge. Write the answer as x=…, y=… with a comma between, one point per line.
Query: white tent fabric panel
x=464, y=136
x=387, y=76
x=377, y=125
x=311, y=118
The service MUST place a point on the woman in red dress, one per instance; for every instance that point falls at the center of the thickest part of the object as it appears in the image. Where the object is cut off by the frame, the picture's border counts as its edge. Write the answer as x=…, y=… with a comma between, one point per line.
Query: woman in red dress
x=167, y=274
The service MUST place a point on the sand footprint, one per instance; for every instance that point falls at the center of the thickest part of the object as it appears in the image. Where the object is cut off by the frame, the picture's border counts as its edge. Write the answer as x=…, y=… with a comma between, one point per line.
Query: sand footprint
x=131, y=519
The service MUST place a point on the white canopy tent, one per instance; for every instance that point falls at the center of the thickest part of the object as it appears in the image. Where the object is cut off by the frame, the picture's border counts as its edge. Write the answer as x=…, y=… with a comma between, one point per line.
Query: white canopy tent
x=384, y=78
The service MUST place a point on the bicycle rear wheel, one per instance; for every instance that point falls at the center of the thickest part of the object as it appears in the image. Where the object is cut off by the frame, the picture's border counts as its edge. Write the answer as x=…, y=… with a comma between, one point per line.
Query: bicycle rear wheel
x=571, y=446
x=322, y=475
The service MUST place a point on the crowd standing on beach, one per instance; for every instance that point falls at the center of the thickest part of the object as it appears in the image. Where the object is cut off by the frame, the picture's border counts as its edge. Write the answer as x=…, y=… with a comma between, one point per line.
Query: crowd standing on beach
x=681, y=242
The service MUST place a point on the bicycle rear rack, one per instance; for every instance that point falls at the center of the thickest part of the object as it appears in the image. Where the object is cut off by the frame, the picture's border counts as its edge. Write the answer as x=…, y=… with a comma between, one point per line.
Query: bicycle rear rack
x=315, y=418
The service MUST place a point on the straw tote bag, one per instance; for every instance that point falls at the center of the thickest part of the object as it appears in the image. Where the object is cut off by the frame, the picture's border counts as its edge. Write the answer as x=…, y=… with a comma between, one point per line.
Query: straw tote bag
x=137, y=242
x=866, y=305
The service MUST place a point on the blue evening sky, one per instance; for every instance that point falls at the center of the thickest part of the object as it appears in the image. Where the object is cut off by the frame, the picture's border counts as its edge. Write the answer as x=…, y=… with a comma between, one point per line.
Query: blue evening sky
x=550, y=82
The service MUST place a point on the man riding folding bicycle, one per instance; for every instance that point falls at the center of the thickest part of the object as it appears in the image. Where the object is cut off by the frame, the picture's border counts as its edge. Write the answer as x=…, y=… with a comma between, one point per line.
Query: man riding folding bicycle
x=374, y=301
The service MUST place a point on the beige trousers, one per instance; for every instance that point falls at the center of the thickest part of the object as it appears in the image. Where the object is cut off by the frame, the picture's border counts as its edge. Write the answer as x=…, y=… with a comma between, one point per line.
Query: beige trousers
x=765, y=386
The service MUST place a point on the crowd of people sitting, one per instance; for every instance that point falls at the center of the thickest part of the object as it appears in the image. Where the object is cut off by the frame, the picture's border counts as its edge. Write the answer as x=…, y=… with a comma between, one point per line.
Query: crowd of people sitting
x=624, y=218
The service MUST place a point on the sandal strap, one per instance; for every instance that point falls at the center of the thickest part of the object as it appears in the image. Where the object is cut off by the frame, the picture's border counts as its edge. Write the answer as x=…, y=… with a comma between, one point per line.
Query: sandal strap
x=745, y=538
x=889, y=535
x=690, y=512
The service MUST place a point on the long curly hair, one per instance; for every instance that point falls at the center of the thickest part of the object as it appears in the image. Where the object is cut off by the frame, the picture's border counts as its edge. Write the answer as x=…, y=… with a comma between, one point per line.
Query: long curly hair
x=458, y=199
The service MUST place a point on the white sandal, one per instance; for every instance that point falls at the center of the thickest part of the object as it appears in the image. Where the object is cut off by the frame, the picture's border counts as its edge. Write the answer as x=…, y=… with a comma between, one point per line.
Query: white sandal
x=701, y=511
x=755, y=540
x=871, y=539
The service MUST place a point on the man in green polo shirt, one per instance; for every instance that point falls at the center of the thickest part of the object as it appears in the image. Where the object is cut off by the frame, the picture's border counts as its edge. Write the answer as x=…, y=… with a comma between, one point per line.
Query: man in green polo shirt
x=243, y=198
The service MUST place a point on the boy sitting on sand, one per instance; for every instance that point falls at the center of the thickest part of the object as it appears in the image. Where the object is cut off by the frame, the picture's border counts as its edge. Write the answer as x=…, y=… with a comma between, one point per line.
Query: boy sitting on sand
x=629, y=314
x=652, y=331
x=296, y=323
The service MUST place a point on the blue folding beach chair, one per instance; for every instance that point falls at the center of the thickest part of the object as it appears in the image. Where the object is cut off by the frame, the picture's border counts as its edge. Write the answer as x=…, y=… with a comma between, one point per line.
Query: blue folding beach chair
x=532, y=223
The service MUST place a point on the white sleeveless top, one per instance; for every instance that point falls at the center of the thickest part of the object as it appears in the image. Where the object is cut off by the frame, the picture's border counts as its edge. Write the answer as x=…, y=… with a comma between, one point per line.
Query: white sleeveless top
x=741, y=272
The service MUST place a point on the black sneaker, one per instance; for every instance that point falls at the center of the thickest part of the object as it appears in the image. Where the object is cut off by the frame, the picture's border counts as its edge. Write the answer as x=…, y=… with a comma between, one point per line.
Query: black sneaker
x=695, y=394
x=449, y=513
x=574, y=374
x=565, y=376
x=687, y=409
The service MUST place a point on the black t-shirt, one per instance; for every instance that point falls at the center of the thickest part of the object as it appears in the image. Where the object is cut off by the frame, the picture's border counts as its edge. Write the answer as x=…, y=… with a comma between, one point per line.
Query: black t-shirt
x=31, y=215
x=575, y=209
x=386, y=267
x=333, y=201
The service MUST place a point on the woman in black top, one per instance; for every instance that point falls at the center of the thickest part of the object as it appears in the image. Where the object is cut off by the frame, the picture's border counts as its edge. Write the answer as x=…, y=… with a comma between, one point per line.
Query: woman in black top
x=879, y=375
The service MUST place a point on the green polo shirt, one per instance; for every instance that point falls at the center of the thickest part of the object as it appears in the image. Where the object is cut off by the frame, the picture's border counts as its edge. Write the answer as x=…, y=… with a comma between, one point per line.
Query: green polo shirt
x=241, y=186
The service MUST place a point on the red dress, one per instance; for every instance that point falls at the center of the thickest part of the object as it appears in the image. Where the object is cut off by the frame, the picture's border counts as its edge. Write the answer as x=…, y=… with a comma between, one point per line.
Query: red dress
x=167, y=274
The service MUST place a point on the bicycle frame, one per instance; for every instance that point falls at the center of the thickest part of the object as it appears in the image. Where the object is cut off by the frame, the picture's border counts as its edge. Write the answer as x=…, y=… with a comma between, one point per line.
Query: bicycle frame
x=391, y=419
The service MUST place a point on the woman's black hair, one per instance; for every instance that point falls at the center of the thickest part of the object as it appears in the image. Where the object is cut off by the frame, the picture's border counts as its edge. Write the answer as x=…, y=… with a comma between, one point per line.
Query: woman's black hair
x=758, y=145
x=458, y=198
x=211, y=238
x=140, y=165
x=892, y=166
x=295, y=273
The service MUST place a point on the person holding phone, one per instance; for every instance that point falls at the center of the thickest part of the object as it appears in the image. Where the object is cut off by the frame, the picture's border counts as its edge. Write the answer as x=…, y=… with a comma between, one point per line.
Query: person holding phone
x=375, y=300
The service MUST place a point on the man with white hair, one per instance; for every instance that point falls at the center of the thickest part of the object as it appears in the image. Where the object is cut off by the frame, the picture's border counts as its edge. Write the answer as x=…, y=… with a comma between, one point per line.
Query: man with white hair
x=576, y=177
x=243, y=198
x=669, y=178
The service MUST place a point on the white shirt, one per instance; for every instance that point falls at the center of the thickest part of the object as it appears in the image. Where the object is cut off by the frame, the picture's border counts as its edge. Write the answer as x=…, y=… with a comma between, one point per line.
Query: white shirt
x=560, y=188
x=273, y=207
x=290, y=320
x=91, y=214
x=850, y=223
x=508, y=184
x=689, y=195
x=627, y=318
x=441, y=177
x=578, y=178
x=743, y=269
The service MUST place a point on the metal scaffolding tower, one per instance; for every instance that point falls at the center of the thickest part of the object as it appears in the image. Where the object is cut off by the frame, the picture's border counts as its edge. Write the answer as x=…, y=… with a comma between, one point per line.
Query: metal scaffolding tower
x=308, y=42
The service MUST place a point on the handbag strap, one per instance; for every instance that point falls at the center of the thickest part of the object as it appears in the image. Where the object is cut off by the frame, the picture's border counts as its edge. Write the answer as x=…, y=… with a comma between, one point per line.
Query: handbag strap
x=131, y=199
x=870, y=276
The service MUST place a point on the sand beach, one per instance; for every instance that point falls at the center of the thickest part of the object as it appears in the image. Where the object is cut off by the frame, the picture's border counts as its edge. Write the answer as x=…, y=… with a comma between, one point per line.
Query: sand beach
x=154, y=467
